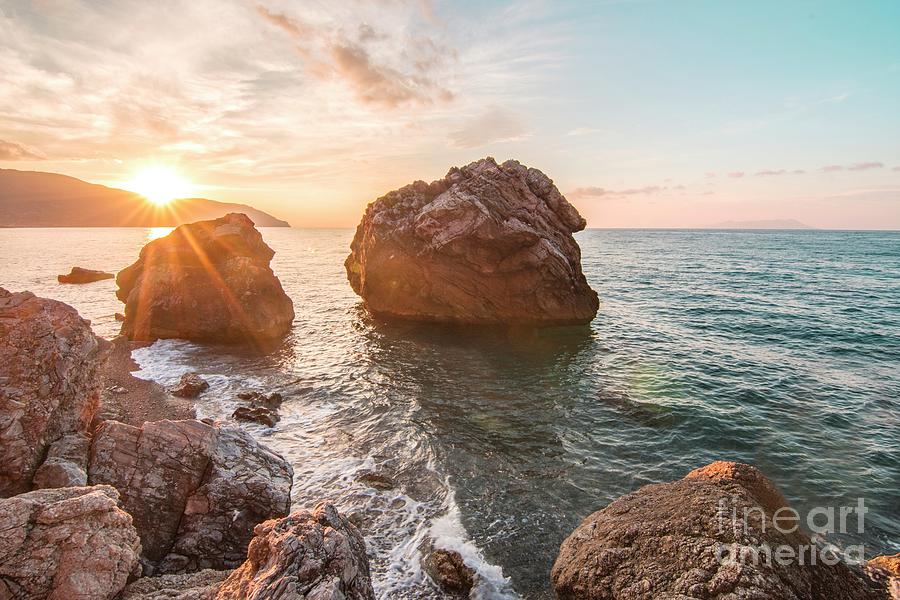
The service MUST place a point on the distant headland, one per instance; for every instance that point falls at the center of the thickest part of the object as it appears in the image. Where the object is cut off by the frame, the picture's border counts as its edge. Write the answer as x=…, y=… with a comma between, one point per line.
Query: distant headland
x=37, y=199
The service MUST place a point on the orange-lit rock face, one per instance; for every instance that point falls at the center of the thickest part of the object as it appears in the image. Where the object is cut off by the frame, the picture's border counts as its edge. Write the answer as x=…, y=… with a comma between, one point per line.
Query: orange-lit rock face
x=206, y=281
x=488, y=244
x=49, y=389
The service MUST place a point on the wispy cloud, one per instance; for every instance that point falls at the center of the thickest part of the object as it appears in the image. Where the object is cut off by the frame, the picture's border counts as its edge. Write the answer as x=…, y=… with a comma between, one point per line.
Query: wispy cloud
x=578, y=131
x=14, y=151
x=736, y=174
x=494, y=125
x=413, y=77
x=860, y=166
x=598, y=192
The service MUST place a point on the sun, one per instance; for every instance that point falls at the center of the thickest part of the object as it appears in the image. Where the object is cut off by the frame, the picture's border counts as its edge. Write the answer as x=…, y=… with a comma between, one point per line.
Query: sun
x=159, y=185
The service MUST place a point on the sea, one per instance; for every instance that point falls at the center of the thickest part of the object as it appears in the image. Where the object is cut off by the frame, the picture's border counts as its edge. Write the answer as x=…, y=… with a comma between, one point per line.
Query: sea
x=776, y=348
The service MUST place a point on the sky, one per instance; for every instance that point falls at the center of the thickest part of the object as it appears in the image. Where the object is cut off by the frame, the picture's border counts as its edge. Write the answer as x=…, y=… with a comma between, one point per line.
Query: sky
x=666, y=113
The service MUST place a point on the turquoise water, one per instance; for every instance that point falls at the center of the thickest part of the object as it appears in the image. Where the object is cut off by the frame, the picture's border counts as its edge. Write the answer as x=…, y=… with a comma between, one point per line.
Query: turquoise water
x=777, y=348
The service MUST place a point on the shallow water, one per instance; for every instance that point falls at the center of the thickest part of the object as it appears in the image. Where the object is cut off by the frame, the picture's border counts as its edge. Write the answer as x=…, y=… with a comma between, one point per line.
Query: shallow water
x=776, y=348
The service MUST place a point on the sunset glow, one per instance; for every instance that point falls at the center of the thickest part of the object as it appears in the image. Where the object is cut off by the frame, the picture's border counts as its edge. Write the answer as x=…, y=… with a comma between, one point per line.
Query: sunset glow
x=159, y=185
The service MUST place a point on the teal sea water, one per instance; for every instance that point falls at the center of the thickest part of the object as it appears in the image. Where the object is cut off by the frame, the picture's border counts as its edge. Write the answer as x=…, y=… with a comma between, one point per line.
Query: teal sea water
x=777, y=348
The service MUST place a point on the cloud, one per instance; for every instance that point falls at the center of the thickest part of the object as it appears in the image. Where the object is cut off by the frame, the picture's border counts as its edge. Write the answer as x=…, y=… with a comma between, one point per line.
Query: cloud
x=585, y=131
x=292, y=26
x=865, y=166
x=493, y=126
x=736, y=174
x=597, y=192
x=14, y=151
x=860, y=166
x=329, y=53
x=769, y=173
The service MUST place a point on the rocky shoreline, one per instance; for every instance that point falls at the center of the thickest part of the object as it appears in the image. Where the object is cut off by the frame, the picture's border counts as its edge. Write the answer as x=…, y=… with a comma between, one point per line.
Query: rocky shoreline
x=111, y=488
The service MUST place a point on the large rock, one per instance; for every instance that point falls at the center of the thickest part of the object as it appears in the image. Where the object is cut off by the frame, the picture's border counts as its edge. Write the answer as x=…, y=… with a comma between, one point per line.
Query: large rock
x=487, y=244
x=66, y=544
x=206, y=281
x=678, y=540
x=886, y=569
x=49, y=388
x=312, y=555
x=195, y=490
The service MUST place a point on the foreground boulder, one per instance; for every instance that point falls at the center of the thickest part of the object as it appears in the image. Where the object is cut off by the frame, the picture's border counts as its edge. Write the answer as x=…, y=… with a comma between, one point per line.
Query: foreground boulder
x=487, y=244
x=195, y=490
x=886, y=569
x=677, y=540
x=49, y=388
x=206, y=281
x=313, y=555
x=67, y=544
x=79, y=275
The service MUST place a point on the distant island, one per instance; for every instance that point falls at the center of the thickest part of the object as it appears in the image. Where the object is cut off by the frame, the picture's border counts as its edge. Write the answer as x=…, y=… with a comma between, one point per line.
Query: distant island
x=763, y=224
x=37, y=199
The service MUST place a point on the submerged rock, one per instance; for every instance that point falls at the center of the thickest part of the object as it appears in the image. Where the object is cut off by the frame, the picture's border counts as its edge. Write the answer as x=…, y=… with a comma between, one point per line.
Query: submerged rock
x=678, y=540
x=195, y=490
x=447, y=569
x=273, y=400
x=379, y=481
x=67, y=544
x=205, y=281
x=312, y=555
x=256, y=414
x=79, y=275
x=49, y=388
x=488, y=244
x=191, y=385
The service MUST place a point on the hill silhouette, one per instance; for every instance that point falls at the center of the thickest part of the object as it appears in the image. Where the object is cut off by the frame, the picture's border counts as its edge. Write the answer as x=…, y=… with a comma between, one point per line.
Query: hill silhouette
x=37, y=199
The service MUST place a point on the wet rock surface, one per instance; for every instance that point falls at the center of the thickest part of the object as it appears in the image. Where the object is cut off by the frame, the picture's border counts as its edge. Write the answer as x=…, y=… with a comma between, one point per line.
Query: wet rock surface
x=195, y=489
x=487, y=244
x=447, y=569
x=49, y=388
x=668, y=541
x=206, y=281
x=256, y=414
x=66, y=544
x=312, y=554
x=80, y=275
x=191, y=385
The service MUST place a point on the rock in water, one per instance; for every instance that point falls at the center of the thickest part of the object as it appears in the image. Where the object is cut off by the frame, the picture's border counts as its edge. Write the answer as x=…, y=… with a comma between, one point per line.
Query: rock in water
x=673, y=540
x=71, y=543
x=79, y=275
x=195, y=490
x=206, y=281
x=191, y=385
x=487, y=244
x=49, y=388
x=448, y=570
x=312, y=555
